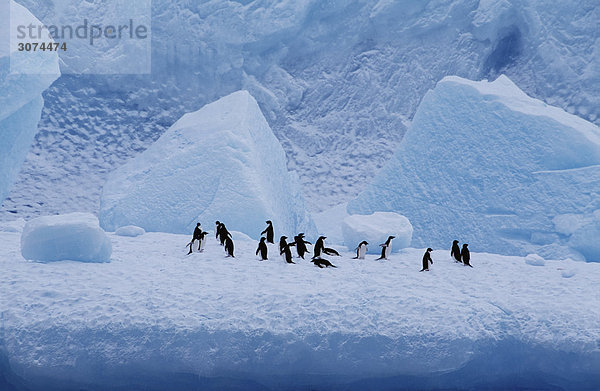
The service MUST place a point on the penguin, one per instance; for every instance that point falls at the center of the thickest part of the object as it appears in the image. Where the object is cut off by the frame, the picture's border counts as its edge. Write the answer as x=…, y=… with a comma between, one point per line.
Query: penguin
x=455, y=252
x=229, y=247
x=426, y=260
x=282, y=243
x=195, y=236
x=262, y=248
x=320, y=248
x=202, y=240
x=268, y=231
x=466, y=255
x=217, y=227
x=223, y=234
x=300, y=244
x=284, y=250
x=361, y=250
x=321, y=262
x=386, y=248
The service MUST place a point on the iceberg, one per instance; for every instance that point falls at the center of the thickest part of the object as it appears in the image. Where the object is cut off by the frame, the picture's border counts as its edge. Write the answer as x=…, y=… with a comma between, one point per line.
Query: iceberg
x=23, y=78
x=375, y=229
x=221, y=162
x=486, y=164
x=68, y=237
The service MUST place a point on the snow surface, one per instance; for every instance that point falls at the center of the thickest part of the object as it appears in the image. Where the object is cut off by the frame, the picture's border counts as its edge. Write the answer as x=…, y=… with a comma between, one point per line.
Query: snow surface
x=375, y=229
x=222, y=163
x=130, y=230
x=338, y=82
x=488, y=165
x=23, y=78
x=69, y=237
x=153, y=319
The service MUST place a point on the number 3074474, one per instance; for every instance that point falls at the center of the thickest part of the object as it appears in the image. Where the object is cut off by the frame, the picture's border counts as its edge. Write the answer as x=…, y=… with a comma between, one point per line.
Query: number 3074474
x=43, y=46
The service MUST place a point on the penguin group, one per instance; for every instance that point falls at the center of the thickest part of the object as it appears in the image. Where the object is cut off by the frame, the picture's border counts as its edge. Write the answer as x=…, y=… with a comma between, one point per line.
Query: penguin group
x=225, y=239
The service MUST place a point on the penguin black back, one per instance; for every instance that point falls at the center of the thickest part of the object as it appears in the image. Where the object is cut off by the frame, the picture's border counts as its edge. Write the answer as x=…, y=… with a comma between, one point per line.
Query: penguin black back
x=229, y=246
x=262, y=248
x=321, y=263
x=455, y=252
x=269, y=231
x=319, y=246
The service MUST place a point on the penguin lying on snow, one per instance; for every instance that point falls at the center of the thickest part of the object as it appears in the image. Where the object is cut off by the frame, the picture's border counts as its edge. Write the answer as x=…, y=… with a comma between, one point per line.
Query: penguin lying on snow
x=361, y=250
x=320, y=248
x=262, y=248
x=320, y=262
x=386, y=248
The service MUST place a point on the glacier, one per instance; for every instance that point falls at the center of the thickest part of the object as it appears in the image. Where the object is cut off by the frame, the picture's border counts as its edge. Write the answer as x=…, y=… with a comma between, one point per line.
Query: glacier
x=486, y=164
x=23, y=78
x=222, y=163
x=338, y=83
x=154, y=319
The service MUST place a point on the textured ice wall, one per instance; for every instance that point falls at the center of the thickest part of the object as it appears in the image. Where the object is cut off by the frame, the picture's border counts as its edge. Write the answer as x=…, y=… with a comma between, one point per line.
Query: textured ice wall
x=337, y=81
x=23, y=78
x=219, y=163
x=486, y=164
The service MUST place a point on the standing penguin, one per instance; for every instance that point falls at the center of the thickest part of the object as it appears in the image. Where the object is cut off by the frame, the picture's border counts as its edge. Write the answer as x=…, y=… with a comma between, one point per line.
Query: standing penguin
x=282, y=243
x=196, y=236
x=427, y=260
x=455, y=252
x=202, y=240
x=285, y=251
x=268, y=231
x=262, y=248
x=229, y=247
x=300, y=244
x=361, y=250
x=217, y=228
x=223, y=234
x=386, y=248
x=466, y=255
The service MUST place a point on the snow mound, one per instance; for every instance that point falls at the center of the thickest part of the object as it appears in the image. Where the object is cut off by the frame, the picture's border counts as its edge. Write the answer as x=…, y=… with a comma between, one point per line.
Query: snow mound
x=488, y=165
x=23, y=78
x=221, y=162
x=130, y=230
x=534, y=260
x=375, y=229
x=72, y=237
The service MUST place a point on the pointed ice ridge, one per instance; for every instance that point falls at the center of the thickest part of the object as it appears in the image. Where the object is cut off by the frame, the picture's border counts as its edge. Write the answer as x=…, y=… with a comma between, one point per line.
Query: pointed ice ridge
x=221, y=162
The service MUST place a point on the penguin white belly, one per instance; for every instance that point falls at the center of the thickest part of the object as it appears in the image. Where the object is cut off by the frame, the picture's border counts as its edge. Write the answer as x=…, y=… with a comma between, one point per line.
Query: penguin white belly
x=361, y=252
x=202, y=243
x=388, y=250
